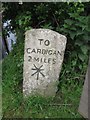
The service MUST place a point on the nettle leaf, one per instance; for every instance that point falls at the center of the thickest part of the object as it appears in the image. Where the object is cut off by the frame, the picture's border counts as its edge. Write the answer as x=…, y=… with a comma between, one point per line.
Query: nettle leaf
x=28, y=28
x=72, y=34
x=84, y=27
x=88, y=28
x=74, y=15
x=20, y=22
x=79, y=32
x=80, y=66
x=79, y=24
x=69, y=22
x=66, y=26
x=82, y=19
x=73, y=28
x=86, y=37
x=47, y=26
x=81, y=57
x=84, y=49
x=74, y=62
x=78, y=42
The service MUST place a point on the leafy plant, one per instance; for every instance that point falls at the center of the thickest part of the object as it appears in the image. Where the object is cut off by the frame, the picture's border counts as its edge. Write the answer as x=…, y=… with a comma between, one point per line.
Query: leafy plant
x=70, y=19
x=77, y=31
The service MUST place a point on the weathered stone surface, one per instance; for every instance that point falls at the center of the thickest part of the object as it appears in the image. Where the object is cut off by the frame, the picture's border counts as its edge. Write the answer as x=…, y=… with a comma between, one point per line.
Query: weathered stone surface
x=43, y=57
x=84, y=106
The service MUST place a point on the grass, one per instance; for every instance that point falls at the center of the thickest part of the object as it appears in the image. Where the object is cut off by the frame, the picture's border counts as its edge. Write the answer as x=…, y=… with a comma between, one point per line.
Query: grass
x=64, y=105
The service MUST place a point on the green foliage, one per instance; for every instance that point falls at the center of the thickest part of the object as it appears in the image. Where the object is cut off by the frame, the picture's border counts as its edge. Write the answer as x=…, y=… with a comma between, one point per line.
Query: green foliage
x=12, y=74
x=24, y=20
x=64, y=105
x=70, y=19
x=77, y=31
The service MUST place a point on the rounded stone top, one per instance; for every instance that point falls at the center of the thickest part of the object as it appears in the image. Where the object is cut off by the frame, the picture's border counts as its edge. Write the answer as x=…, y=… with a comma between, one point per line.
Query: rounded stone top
x=48, y=31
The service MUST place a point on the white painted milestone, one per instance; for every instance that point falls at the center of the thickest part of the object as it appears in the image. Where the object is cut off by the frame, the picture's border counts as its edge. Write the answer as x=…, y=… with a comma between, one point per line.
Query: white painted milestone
x=43, y=58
